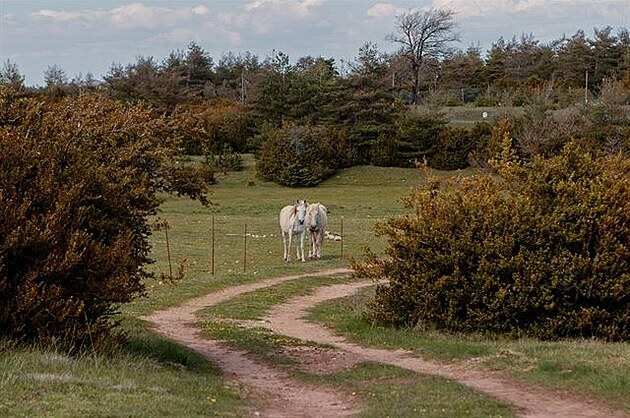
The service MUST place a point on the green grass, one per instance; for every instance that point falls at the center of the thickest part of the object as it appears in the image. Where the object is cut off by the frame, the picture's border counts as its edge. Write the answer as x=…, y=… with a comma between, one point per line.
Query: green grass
x=588, y=368
x=385, y=390
x=151, y=376
x=393, y=392
x=468, y=115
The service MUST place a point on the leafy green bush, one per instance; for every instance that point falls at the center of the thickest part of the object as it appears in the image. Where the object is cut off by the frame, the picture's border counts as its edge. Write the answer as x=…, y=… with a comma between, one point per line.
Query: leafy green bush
x=78, y=178
x=425, y=137
x=538, y=248
x=301, y=156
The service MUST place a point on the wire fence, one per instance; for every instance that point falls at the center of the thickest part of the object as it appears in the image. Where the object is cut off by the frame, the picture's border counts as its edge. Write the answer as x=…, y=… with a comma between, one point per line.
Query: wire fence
x=234, y=240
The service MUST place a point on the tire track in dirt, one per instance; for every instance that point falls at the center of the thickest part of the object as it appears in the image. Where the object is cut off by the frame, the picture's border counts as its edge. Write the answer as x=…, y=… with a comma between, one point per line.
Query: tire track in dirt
x=277, y=395
x=529, y=401
x=273, y=392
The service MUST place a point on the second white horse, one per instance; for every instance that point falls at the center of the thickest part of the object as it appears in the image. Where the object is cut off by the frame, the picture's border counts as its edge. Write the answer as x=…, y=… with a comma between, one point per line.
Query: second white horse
x=316, y=221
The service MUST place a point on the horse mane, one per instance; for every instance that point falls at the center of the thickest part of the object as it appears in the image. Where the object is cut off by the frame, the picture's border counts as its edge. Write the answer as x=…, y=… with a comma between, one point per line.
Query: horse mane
x=296, y=204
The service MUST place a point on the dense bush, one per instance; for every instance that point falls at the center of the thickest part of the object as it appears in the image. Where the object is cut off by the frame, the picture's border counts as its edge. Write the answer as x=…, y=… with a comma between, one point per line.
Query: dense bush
x=601, y=127
x=455, y=145
x=214, y=127
x=301, y=156
x=417, y=137
x=422, y=137
x=538, y=248
x=78, y=177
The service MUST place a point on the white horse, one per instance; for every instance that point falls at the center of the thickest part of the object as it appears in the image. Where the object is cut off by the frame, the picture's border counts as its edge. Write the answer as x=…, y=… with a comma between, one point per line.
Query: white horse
x=316, y=220
x=292, y=223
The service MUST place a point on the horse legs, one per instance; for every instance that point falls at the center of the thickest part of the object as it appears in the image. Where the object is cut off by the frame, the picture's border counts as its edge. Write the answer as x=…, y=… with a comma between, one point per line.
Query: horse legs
x=311, y=244
x=300, y=247
x=319, y=243
x=286, y=241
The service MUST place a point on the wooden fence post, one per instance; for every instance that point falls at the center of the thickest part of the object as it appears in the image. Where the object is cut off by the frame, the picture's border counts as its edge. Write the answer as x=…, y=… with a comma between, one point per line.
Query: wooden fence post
x=168, y=251
x=342, y=237
x=245, y=251
x=212, y=251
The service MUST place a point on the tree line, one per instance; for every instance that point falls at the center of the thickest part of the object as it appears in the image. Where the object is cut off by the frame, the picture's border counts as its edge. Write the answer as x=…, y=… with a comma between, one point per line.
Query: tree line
x=426, y=61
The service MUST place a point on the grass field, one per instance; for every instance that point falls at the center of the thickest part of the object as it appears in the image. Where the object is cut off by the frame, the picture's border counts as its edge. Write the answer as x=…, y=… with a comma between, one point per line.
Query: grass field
x=151, y=376
x=469, y=115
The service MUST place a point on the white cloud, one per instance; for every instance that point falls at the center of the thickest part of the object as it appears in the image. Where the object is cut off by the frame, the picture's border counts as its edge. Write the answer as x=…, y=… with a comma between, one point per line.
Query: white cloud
x=264, y=17
x=276, y=8
x=200, y=10
x=381, y=10
x=546, y=8
x=67, y=16
x=133, y=15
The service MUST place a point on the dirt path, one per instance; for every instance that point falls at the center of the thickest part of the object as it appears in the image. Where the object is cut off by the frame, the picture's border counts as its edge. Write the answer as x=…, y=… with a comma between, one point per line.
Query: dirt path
x=279, y=396
x=276, y=394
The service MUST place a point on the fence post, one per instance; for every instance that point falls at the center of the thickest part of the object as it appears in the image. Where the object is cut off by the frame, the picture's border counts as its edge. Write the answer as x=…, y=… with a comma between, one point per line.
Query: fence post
x=342, y=237
x=212, y=250
x=245, y=251
x=168, y=250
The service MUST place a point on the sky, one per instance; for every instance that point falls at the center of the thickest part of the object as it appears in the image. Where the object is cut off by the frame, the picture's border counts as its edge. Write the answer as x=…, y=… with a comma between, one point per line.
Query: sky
x=89, y=36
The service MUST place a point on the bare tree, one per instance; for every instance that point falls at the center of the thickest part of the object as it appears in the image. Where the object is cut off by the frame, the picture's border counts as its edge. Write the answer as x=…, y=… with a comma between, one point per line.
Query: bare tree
x=424, y=36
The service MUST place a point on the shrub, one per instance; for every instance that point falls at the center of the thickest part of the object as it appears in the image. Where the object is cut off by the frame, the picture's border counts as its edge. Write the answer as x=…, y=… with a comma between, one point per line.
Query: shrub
x=417, y=137
x=384, y=151
x=538, y=249
x=228, y=160
x=300, y=156
x=213, y=127
x=78, y=178
x=453, y=148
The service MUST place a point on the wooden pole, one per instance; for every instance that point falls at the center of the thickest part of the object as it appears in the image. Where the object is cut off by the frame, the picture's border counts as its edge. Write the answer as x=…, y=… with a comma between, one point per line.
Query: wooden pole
x=342, y=237
x=245, y=251
x=168, y=251
x=212, y=251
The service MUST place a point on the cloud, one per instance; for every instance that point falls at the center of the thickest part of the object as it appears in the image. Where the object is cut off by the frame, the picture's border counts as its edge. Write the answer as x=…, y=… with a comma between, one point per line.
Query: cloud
x=282, y=7
x=381, y=10
x=133, y=15
x=200, y=10
x=67, y=16
x=264, y=17
x=542, y=8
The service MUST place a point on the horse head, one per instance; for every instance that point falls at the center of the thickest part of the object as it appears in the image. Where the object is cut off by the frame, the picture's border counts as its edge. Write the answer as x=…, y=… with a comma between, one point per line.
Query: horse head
x=313, y=210
x=300, y=211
